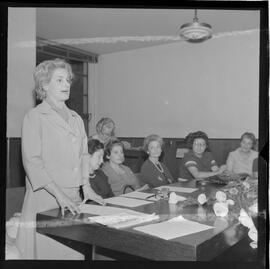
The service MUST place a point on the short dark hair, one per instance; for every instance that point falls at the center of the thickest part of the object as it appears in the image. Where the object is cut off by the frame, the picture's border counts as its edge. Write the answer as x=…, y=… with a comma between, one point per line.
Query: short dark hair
x=189, y=139
x=109, y=146
x=94, y=145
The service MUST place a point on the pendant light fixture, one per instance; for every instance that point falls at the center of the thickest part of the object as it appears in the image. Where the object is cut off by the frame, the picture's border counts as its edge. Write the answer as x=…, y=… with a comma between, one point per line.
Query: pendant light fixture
x=195, y=31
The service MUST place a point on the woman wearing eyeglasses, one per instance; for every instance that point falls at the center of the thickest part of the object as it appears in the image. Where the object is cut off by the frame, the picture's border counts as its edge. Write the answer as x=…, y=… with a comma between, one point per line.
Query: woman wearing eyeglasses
x=154, y=172
x=199, y=162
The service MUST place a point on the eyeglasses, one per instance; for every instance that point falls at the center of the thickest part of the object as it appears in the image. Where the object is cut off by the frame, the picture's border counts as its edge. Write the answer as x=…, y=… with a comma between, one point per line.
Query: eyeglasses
x=199, y=144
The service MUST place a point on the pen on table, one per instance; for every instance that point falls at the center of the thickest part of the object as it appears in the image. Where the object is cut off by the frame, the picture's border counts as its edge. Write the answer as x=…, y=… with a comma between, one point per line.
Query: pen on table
x=150, y=196
x=85, y=200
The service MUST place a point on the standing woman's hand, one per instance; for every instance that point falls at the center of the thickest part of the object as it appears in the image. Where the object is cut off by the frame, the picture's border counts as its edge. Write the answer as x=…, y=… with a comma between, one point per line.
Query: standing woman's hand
x=66, y=203
x=62, y=199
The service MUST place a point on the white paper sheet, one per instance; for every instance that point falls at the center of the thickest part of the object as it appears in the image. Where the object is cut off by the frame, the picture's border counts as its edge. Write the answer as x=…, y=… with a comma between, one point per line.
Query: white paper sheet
x=123, y=220
x=137, y=194
x=173, y=228
x=127, y=202
x=100, y=210
x=178, y=189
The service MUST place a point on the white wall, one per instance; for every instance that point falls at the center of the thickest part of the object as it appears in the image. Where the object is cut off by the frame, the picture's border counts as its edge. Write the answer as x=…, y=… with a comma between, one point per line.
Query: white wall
x=21, y=64
x=181, y=87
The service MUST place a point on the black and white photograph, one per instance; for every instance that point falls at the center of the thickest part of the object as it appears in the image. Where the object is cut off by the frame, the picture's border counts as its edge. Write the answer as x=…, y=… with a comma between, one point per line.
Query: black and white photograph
x=136, y=132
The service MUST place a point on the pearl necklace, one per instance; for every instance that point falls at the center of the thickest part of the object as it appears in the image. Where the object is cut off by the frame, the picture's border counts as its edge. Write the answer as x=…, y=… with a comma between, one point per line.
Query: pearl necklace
x=159, y=166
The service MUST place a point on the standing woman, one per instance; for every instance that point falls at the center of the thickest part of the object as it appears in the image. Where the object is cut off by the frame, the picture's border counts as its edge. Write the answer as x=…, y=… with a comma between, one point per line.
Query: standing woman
x=154, y=172
x=241, y=160
x=54, y=143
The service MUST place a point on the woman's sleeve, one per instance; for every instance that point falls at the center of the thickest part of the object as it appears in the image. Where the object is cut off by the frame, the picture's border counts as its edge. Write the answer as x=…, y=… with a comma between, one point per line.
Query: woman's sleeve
x=189, y=161
x=32, y=150
x=133, y=179
x=147, y=175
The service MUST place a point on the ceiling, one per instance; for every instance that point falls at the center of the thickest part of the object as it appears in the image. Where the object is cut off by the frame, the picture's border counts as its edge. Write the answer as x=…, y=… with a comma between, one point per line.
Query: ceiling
x=109, y=30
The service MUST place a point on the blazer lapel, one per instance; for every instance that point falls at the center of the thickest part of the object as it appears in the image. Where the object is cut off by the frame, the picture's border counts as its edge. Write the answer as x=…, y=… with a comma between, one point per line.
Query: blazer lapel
x=55, y=118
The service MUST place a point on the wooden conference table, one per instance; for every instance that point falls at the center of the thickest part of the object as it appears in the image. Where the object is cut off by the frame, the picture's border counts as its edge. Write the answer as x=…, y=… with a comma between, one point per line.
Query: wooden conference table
x=201, y=246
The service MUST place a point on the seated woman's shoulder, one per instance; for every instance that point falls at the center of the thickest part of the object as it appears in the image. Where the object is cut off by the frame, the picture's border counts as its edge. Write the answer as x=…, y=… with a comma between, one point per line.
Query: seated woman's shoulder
x=188, y=155
x=208, y=154
x=255, y=153
x=145, y=164
x=100, y=173
x=126, y=168
x=105, y=167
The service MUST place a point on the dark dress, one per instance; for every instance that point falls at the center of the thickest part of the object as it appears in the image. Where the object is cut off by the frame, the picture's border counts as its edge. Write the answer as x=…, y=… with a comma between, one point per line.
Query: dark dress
x=203, y=164
x=154, y=177
x=100, y=184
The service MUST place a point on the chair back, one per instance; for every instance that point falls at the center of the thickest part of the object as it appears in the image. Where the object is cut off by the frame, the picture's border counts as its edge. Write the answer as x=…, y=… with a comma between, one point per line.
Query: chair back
x=128, y=187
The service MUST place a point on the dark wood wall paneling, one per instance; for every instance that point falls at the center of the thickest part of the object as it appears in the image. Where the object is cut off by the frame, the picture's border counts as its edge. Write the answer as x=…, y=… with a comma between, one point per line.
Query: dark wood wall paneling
x=220, y=149
x=15, y=170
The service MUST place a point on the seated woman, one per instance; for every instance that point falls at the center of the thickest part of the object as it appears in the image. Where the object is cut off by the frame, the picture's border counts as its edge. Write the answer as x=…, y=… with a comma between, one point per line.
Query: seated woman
x=95, y=176
x=105, y=130
x=154, y=172
x=241, y=160
x=199, y=163
x=119, y=176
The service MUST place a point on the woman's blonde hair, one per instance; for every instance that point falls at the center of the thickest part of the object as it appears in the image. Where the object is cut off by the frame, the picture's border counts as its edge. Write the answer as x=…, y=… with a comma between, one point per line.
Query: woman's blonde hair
x=149, y=139
x=102, y=122
x=43, y=74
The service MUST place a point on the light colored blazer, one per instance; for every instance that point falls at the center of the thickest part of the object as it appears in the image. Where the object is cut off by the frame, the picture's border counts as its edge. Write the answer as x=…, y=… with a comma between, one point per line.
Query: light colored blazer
x=52, y=150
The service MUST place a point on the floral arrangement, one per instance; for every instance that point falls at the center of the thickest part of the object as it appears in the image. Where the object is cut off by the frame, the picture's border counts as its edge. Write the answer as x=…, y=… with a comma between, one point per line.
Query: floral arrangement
x=237, y=197
x=227, y=177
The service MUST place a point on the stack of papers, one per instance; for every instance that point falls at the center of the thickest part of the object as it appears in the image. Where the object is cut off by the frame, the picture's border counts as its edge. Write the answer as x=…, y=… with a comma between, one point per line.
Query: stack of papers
x=140, y=195
x=101, y=210
x=123, y=220
x=173, y=228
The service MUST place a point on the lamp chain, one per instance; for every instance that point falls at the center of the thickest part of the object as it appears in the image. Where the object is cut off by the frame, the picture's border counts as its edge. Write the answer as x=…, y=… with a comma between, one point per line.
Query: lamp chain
x=195, y=16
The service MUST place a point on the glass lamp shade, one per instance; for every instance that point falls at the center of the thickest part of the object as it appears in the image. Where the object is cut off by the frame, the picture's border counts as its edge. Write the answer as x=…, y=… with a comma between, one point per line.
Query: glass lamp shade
x=195, y=31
